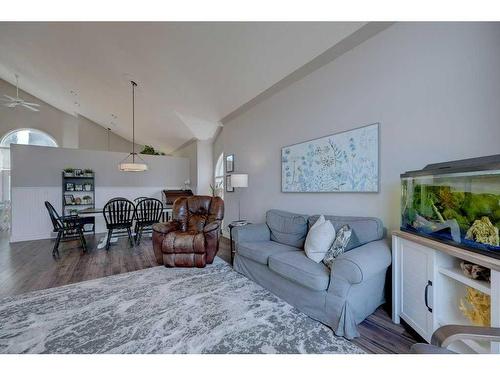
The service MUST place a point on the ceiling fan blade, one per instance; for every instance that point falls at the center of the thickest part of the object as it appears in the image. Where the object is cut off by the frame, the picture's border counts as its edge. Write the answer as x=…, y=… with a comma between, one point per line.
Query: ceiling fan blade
x=9, y=97
x=32, y=104
x=10, y=105
x=25, y=105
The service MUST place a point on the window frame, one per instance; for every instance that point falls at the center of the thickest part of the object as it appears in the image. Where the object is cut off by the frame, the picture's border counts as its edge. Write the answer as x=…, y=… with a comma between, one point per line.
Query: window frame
x=34, y=130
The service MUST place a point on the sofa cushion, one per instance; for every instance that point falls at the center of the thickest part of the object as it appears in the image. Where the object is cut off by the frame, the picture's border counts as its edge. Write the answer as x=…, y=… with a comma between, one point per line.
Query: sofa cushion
x=259, y=251
x=297, y=267
x=364, y=229
x=287, y=228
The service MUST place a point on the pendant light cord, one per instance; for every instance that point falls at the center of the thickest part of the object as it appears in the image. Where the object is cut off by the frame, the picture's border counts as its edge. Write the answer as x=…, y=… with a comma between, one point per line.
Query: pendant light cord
x=133, y=120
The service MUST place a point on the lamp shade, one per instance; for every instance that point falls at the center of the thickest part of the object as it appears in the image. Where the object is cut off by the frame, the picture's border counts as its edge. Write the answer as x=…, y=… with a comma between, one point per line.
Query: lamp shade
x=133, y=163
x=239, y=180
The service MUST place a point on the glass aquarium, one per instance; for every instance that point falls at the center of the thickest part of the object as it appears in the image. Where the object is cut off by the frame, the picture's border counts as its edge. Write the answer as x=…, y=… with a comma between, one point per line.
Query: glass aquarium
x=455, y=202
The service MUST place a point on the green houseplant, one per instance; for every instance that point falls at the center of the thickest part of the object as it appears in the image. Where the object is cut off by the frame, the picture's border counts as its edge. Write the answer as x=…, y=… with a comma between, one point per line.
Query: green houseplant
x=149, y=150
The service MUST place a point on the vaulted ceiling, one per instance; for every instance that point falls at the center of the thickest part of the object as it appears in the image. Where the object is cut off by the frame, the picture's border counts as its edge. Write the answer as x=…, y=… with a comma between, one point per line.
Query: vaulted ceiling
x=190, y=74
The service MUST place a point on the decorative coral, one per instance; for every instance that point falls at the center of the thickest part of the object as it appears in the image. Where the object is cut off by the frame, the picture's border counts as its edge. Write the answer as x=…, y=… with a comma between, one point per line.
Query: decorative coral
x=483, y=231
x=476, y=306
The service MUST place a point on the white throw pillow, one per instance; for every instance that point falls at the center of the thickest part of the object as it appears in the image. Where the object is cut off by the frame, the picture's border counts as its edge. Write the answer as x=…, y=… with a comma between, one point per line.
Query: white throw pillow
x=319, y=239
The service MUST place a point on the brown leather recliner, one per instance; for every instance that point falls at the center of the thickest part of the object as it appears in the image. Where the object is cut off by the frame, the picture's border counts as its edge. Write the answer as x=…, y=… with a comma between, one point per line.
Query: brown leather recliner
x=191, y=239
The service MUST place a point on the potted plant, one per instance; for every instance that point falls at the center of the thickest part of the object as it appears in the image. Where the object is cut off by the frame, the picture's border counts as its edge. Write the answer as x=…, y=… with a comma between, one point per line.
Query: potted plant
x=87, y=199
x=68, y=172
x=88, y=172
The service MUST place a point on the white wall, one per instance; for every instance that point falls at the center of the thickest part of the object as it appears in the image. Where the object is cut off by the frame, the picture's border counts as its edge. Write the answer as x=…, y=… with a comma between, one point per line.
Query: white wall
x=433, y=87
x=200, y=155
x=190, y=151
x=36, y=177
x=205, y=167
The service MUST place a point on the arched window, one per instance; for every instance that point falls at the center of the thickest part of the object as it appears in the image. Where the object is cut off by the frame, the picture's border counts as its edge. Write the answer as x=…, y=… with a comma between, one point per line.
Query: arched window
x=28, y=137
x=219, y=176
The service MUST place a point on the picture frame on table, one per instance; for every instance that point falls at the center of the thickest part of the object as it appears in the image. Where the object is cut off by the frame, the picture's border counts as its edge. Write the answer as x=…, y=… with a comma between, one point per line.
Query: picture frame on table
x=70, y=186
x=230, y=163
x=69, y=199
x=229, y=187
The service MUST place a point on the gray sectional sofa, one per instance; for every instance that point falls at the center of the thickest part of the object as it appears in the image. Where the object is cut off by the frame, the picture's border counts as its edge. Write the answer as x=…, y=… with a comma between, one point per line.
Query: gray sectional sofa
x=272, y=255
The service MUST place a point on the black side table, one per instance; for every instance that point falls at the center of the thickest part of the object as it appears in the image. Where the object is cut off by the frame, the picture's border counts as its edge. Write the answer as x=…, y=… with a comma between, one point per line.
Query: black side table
x=232, y=225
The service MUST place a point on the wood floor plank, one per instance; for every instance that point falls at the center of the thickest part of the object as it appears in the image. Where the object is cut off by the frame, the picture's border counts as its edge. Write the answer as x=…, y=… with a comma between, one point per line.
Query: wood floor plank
x=28, y=266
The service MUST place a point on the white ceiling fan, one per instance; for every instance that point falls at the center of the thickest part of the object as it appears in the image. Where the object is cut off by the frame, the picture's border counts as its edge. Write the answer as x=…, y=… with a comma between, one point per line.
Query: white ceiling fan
x=11, y=102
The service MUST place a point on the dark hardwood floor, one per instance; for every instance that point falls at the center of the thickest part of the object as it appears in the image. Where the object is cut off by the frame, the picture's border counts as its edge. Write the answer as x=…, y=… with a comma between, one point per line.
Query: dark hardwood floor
x=28, y=266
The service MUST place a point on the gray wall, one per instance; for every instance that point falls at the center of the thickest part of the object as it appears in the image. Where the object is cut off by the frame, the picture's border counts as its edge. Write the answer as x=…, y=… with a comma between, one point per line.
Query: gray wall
x=92, y=136
x=60, y=125
x=36, y=178
x=34, y=166
x=433, y=87
x=68, y=131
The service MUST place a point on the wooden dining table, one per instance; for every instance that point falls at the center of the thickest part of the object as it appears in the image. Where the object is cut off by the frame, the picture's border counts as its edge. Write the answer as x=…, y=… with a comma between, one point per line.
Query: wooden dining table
x=92, y=211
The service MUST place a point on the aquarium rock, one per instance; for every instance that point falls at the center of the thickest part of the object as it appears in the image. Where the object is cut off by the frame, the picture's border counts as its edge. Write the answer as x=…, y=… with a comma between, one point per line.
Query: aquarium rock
x=426, y=226
x=483, y=231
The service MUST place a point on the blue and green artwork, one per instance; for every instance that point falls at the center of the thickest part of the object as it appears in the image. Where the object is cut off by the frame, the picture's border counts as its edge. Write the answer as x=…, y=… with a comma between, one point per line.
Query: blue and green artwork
x=343, y=162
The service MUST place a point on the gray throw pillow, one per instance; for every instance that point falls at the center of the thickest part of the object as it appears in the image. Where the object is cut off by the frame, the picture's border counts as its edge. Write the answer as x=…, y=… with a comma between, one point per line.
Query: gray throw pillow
x=339, y=245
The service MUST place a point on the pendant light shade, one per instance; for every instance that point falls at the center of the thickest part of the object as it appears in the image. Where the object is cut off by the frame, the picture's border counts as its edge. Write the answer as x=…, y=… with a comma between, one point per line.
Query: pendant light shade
x=133, y=162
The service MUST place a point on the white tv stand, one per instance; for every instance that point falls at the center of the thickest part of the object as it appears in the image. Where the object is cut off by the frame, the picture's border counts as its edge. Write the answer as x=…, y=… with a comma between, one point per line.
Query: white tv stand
x=428, y=283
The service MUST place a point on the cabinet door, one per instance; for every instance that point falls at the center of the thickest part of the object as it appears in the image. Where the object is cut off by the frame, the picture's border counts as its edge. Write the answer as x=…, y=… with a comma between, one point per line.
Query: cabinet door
x=416, y=276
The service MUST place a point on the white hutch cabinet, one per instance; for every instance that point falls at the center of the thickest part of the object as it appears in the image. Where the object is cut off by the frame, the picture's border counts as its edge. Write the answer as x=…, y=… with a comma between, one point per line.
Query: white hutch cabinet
x=428, y=285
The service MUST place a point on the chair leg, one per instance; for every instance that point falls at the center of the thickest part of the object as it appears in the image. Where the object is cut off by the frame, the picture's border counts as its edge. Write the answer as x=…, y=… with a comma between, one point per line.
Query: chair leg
x=136, y=232
x=129, y=231
x=82, y=239
x=108, y=240
x=139, y=235
x=55, y=250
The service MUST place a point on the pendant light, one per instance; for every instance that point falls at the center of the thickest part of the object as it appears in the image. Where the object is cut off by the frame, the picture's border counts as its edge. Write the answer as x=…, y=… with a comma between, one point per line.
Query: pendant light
x=133, y=162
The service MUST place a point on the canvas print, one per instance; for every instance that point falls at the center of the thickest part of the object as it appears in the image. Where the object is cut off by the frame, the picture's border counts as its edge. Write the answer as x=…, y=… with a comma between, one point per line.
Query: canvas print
x=343, y=162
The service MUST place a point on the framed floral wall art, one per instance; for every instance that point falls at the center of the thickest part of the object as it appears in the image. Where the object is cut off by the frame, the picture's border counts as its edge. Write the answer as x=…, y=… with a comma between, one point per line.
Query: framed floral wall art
x=343, y=162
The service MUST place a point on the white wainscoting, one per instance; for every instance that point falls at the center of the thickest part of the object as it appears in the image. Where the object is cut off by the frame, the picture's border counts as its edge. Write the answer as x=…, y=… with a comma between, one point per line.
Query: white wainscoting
x=30, y=220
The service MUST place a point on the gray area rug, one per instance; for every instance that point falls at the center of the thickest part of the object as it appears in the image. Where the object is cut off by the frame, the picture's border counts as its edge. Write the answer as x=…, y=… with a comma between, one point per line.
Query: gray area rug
x=161, y=310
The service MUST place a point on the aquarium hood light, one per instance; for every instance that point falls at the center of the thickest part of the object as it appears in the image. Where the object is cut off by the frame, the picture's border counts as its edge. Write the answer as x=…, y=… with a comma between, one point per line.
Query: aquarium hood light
x=482, y=164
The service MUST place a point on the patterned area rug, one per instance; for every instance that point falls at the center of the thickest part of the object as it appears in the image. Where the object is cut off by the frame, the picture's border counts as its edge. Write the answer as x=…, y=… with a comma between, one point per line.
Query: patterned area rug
x=160, y=310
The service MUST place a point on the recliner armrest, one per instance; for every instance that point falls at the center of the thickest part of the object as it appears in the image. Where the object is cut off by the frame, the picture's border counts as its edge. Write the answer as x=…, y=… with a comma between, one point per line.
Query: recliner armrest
x=251, y=232
x=167, y=227
x=361, y=263
x=214, y=225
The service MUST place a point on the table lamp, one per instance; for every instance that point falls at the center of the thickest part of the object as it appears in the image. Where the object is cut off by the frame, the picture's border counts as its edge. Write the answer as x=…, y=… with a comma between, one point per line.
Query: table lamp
x=239, y=180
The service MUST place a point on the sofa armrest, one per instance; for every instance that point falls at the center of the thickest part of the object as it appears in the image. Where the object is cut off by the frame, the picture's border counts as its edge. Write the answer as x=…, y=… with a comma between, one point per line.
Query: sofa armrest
x=251, y=232
x=361, y=263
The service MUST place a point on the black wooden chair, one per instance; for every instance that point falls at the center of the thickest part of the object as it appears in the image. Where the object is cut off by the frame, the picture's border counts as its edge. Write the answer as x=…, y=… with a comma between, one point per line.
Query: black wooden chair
x=67, y=228
x=136, y=202
x=119, y=215
x=139, y=199
x=148, y=212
